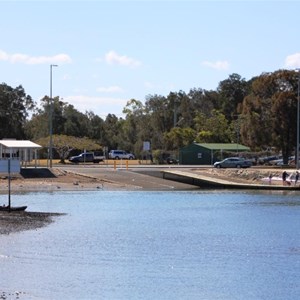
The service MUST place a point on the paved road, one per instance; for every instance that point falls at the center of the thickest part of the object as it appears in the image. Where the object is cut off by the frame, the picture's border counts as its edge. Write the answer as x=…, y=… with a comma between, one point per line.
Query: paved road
x=138, y=178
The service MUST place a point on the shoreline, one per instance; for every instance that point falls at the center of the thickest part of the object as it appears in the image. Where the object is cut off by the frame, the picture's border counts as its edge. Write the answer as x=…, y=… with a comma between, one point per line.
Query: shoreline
x=62, y=180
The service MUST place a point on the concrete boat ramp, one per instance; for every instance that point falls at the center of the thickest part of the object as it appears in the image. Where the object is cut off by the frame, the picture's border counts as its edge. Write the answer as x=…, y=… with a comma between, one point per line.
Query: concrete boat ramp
x=200, y=180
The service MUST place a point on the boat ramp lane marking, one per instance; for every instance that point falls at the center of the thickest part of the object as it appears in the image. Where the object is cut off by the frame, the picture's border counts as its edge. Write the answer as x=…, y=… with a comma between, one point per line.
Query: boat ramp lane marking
x=197, y=179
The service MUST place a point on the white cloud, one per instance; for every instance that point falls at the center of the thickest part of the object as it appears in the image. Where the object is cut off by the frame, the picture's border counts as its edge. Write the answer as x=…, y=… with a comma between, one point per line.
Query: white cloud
x=114, y=58
x=110, y=89
x=218, y=65
x=34, y=60
x=293, y=61
x=101, y=106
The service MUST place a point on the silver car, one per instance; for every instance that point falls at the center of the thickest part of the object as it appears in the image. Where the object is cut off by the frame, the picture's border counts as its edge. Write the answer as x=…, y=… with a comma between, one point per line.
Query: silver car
x=120, y=154
x=233, y=162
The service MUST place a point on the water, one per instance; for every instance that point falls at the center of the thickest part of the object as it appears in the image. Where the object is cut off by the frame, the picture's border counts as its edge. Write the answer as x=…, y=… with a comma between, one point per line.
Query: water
x=156, y=245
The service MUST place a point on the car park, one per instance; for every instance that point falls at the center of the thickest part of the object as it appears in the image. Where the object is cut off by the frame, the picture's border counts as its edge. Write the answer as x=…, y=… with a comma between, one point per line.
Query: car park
x=233, y=162
x=120, y=154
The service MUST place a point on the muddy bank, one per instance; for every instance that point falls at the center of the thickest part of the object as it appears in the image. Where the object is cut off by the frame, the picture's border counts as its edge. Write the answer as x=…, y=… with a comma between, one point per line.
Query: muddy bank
x=11, y=222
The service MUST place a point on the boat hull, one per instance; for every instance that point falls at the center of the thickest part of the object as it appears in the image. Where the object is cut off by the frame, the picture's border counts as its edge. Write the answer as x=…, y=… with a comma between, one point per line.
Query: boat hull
x=13, y=208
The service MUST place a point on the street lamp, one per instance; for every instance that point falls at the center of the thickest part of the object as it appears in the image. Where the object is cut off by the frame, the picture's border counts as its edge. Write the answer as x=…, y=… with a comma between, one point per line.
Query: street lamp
x=298, y=130
x=50, y=117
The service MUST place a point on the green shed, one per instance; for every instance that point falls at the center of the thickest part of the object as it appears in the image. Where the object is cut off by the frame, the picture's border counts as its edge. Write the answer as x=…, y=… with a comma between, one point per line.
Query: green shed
x=203, y=154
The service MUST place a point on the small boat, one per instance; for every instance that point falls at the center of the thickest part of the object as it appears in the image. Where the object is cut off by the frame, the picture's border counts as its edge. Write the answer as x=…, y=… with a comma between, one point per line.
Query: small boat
x=12, y=208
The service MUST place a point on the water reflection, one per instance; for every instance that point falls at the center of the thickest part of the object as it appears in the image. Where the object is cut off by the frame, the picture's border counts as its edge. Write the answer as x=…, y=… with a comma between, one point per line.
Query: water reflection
x=157, y=245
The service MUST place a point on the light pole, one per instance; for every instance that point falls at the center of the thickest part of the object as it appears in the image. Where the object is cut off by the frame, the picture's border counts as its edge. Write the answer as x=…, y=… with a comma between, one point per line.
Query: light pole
x=298, y=130
x=50, y=117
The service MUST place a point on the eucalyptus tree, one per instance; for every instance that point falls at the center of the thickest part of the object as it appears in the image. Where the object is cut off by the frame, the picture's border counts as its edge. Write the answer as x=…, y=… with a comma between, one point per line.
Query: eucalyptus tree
x=270, y=111
x=15, y=106
x=179, y=137
x=135, y=126
x=95, y=127
x=201, y=101
x=74, y=122
x=65, y=120
x=212, y=129
x=157, y=108
x=232, y=92
x=112, y=131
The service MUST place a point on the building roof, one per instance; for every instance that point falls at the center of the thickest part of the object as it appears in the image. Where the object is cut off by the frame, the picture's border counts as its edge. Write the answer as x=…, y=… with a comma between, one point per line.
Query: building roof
x=19, y=144
x=223, y=146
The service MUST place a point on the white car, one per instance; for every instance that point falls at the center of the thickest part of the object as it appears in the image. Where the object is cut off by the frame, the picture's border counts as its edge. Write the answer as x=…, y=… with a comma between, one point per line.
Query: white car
x=120, y=154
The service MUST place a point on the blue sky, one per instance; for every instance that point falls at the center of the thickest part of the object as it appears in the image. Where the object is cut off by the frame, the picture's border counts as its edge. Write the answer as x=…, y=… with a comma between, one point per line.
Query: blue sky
x=109, y=52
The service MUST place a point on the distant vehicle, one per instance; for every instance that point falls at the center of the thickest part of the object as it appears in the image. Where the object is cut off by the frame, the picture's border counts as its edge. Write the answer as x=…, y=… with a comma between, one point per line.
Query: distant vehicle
x=87, y=157
x=120, y=154
x=279, y=162
x=172, y=161
x=233, y=162
x=267, y=159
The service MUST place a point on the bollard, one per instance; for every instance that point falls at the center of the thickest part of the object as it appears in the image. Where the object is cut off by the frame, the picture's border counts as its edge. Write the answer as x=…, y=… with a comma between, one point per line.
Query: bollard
x=126, y=164
x=115, y=165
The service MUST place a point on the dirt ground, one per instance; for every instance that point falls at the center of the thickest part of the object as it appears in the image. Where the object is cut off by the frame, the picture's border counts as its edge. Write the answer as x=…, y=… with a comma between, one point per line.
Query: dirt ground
x=250, y=175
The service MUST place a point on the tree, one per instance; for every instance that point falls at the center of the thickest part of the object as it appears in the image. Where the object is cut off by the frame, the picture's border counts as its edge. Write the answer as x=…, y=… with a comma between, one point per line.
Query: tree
x=179, y=137
x=64, y=144
x=232, y=92
x=65, y=120
x=95, y=127
x=214, y=129
x=270, y=111
x=15, y=106
x=112, y=134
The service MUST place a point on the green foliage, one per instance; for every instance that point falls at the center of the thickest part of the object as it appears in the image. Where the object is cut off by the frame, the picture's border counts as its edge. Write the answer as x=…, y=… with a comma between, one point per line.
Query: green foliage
x=64, y=144
x=14, y=108
x=269, y=112
x=179, y=137
x=260, y=113
x=213, y=129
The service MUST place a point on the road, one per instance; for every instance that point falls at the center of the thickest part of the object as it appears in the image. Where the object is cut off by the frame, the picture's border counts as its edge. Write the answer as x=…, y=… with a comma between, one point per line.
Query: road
x=136, y=177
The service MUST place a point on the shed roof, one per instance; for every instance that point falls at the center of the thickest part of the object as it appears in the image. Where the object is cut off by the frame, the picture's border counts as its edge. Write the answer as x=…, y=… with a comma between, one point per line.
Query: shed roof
x=223, y=146
x=18, y=144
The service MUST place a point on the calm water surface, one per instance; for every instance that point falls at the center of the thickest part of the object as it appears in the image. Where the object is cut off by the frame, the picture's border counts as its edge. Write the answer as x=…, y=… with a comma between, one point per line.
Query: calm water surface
x=156, y=245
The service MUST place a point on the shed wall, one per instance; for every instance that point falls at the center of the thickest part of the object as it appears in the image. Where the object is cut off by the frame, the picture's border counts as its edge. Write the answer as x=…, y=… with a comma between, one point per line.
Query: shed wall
x=195, y=155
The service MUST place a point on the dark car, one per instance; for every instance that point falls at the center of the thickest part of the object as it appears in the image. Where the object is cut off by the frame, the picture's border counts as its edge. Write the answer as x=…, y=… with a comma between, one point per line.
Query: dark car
x=172, y=161
x=233, y=162
x=86, y=157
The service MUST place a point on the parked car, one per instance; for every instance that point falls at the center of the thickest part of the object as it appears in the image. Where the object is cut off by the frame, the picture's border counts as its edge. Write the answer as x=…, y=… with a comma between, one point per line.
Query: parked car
x=233, y=162
x=279, y=162
x=267, y=159
x=120, y=154
x=87, y=157
x=172, y=161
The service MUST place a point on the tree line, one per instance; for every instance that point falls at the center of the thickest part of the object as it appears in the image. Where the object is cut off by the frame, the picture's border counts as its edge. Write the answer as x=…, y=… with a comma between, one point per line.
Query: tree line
x=260, y=113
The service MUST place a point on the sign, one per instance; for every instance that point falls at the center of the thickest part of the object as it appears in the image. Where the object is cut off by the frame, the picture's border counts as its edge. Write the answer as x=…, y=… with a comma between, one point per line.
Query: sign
x=15, y=166
x=146, y=146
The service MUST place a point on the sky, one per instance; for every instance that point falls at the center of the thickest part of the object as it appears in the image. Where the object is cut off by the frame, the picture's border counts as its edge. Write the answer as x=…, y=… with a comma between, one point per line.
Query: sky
x=108, y=52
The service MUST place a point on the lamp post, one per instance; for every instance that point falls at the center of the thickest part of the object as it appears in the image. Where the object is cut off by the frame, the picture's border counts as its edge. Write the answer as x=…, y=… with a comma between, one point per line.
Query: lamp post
x=50, y=117
x=298, y=114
